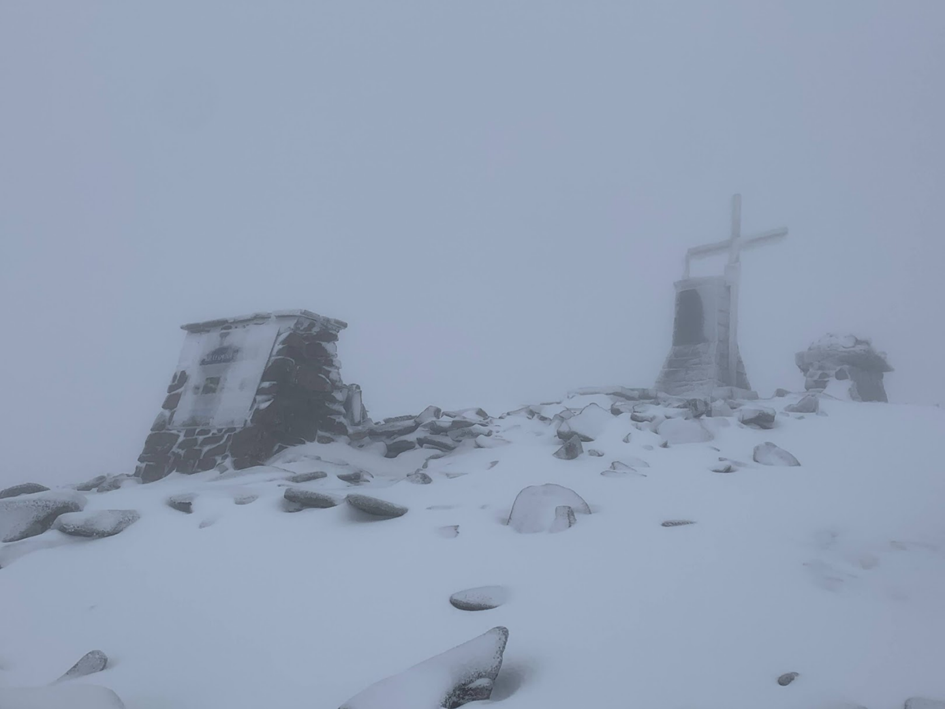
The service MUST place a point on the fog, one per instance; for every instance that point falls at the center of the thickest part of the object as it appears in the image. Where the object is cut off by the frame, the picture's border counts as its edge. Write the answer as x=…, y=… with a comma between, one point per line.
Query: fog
x=496, y=196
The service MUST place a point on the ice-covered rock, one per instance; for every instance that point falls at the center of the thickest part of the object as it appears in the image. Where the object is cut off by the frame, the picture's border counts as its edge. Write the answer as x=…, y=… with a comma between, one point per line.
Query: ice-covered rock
x=482, y=598
x=464, y=674
x=300, y=499
x=535, y=507
x=810, y=404
x=571, y=449
x=788, y=677
x=678, y=431
x=395, y=448
x=22, y=489
x=588, y=424
x=564, y=519
x=88, y=664
x=358, y=477
x=308, y=477
x=770, y=454
x=419, y=478
x=97, y=525
x=182, y=503
x=60, y=696
x=376, y=507
x=757, y=416
x=28, y=515
x=90, y=485
x=429, y=414
x=845, y=358
x=442, y=443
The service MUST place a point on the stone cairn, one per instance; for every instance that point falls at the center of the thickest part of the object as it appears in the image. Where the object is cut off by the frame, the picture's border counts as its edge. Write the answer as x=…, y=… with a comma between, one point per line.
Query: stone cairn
x=845, y=358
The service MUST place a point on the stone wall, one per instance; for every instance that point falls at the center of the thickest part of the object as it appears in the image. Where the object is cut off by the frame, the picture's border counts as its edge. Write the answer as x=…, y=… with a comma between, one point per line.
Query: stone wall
x=300, y=398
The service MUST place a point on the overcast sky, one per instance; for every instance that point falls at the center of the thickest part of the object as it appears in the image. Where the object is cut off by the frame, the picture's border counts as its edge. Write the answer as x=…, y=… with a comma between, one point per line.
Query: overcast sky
x=496, y=196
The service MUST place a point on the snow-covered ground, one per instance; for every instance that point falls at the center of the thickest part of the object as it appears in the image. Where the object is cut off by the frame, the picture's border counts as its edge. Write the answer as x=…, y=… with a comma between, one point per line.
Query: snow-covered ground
x=834, y=569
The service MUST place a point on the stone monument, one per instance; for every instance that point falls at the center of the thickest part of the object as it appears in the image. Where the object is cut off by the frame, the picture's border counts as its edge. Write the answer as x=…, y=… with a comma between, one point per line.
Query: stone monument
x=845, y=358
x=247, y=387
x=704, y=354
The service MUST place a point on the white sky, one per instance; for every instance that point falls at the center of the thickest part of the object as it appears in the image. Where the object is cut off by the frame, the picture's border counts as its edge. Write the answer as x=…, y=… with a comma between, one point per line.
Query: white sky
x=495, y=196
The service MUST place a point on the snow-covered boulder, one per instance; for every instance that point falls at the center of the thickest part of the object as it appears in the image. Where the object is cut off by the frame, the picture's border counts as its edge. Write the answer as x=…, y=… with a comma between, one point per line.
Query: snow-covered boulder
x=28, y=515
x=299, y=478
x=464, y=674
x=588, y=424
x=535, y=507
x=810, y=404
x=60, y=696
x=845, y=358
x=22, y=489
x=483, y=598
x=298, y=498
x=97, y=525
x=757, y=416
x=358, y=477
x=182, y=503
x=770, y=454
x=678, y=431
x=419, y=478
x=376, y=507
x=395, y=448
x=564, y=519
x=571, y=449
x=88, y=664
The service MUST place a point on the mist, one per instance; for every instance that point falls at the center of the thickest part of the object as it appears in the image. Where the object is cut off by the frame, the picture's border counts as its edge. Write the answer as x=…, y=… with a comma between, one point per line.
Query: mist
x=496, y=197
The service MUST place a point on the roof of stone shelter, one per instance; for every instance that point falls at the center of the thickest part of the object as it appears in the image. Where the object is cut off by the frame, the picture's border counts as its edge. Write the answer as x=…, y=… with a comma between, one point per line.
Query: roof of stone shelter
x=323, y=322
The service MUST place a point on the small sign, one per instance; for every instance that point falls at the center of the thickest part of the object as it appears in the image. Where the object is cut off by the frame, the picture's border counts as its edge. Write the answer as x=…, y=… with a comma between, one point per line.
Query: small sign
x=221, y=355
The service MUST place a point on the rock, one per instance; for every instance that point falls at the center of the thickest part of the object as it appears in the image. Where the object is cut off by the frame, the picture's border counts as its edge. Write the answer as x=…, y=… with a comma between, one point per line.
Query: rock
x=97, y=525
x=419, y=478
x=491, y=441
x=466, y=432
x=698, y=407
x=770, y=454
x=450, y=531
x=786, y=679
x=679, y=431
x=60, y=696
x=377, y=508
x=464, y=674
x=359, y=477
x=28, y=515
x=535, y=507
x=588, y=424
x=483, y=598
x=736, y=393
x=394, y=427
x=723, y=467
x=757, y=416
x=309, y=499
x=845, y=358
x=307, y=477
x=428, y=414
x=182, y=503
x=90, y=485
x=22, y=489
x=571, y=449
x=721, y=410
x=395, y=448
x=593, y=452
x=629, y=463
x=810, y=404
x=245, y=498
x=778, y=393
x=677, y=523
x=442, y=443
x=922, y=703
x=114, y=482
x=564, y=519
x=89, y=663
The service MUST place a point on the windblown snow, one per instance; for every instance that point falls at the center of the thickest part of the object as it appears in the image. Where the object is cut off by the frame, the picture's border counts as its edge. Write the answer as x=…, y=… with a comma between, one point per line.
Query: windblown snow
x=833, y=569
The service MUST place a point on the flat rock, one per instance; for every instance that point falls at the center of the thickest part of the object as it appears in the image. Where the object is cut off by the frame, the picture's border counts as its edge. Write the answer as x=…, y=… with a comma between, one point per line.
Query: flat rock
x=28, y=515
x=587, y=424
x=483, y=598
x=788, y=677
x=182, y=503
x=535, y=507
x=22, y=489
x=359, y=477
x=571, y=449
x=89, y=663
x=441, y=443
x=419, y=478
x=96, y=525
x=770, y=454
x=466, y=673
x=757, y=416
x=395, y=448
x=376, y=507
x=60, y=696
x=810, y=404
x=309, y=498
x=307, y=477
x=679, y=431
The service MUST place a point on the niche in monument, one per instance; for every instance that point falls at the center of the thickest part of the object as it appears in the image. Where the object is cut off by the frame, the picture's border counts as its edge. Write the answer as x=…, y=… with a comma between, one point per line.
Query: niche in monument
x=689, y=323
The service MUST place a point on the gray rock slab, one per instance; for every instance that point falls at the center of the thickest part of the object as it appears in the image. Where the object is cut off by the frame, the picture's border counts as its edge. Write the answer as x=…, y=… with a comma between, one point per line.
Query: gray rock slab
x=28, y=515
x=309, y=498
x=22, y=489
x=483, y=598
x=535, y=507
x=810, y=404
x=182, y=503
x=96, y=525
x=358, y=477
x=395, y=448
x=376, y=507
x=757, y=416
x=419, y=478
x=770, y=454
x=88, y=664
x=307, y=477
x=587, y=424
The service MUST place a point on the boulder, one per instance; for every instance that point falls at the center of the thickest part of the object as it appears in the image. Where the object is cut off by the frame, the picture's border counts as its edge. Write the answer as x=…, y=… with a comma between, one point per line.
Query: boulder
x=419, y=478
x=182, y=503
x=845, y=358
x=483, y=598
x=376, y=507
x=428, y=414
x=781, y=392
x=679, y=431
x=97, y=525
x=307, y=477
x=88, y=664
x=535, y=507
x=810, y=404
x=770, y=454
x=28, y=515
x=90, y=485
x=22, y=489
x=571, y=449
x=757, y=416
x=60, y=696
x=358, y=477
x=442, y=443
x=588, y=424
x=788, y=677
x=464, y=674
x=564, y=519
x=395, y=448
x=309, y=498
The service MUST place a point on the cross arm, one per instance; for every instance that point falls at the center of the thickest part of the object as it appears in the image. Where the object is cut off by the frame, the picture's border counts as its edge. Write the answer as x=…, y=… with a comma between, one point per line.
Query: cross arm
x=719, y=247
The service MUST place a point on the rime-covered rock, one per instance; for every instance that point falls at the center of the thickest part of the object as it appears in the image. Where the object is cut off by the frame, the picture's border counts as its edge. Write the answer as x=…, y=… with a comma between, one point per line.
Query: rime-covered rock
x=441, y=443
x=97, y=525
x=358, y=477
x=60, y=696
x=770, y=454
x=182, y=503
x=535, y=507
x=88, y=664
x=564, y=519
x=28, y=515
x=90, y=485
x=587, y=424
x=376, y=507
x=464, y=674
x=678, y=431
x=757, y=416
x=571, y=449
x=22, y=489
x=845, y=358
x=482, y=598
x=419, y=478
x=307, y=477
x=395, y=448
x=810, y=404
x=309, y=499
